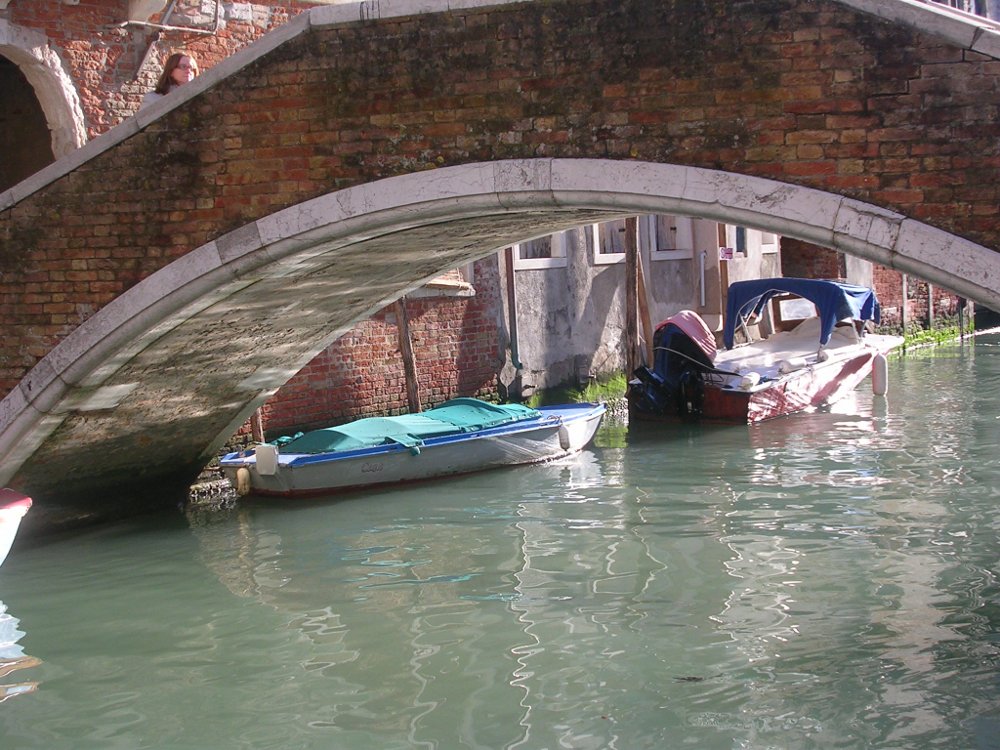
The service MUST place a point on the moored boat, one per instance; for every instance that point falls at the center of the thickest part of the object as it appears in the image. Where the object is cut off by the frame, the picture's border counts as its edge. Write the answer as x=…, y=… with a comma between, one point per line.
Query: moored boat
x=814, y=351
x=460, y=436
x=13, y=507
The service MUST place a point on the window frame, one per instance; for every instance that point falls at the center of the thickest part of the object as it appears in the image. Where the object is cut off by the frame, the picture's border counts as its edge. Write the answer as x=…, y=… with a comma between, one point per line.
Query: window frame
x=768, y=243
x=684, y=235
x=599, y=258
x=557, y=259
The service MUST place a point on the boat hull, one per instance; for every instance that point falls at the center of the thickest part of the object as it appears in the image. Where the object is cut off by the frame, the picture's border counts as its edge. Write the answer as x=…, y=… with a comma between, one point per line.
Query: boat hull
x=816, y=386
x=820, y=384
x=13, y=507
x=561, y=431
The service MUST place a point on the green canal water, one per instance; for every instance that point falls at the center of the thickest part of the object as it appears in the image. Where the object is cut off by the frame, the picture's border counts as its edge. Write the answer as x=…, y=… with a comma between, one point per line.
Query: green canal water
x=827, y=580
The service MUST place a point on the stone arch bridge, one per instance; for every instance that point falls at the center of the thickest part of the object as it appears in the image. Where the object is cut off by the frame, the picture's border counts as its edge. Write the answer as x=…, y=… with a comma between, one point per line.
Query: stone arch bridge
x=163, y=280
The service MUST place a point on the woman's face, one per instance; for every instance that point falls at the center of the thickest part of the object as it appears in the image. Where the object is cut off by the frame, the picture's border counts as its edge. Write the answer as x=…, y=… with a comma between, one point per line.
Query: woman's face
x=185, y=71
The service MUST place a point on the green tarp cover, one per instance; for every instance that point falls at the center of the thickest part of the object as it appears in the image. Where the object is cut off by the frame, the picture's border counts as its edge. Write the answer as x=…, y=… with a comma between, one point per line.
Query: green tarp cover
x=455, y=416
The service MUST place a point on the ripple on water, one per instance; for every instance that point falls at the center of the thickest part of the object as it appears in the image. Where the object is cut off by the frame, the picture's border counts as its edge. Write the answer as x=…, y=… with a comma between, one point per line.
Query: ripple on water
x=824, y=581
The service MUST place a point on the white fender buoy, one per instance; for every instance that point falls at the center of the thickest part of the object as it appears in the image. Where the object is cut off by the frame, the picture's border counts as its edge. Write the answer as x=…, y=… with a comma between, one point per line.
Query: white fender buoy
x=880, y=375
x=267, y=459
x=564, y=438
x=243, y=481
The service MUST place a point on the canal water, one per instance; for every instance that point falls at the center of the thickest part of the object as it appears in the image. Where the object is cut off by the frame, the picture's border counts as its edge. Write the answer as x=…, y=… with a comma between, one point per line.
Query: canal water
x=827, y=580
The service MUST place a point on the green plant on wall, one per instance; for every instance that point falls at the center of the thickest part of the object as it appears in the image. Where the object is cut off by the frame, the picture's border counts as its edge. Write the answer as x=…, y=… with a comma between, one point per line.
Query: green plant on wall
x=609, y=389
x=948, y=330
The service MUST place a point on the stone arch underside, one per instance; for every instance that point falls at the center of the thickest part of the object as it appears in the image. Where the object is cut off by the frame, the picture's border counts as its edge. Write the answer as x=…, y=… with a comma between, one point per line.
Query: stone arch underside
x=154, y=383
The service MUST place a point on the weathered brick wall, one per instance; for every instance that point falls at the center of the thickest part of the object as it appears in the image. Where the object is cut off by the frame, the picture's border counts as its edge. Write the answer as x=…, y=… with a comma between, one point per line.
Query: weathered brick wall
x=809, y=261
x=918, y=314
x=112, y=67
x=804, y=91
x=113, y=63
x=456, y=351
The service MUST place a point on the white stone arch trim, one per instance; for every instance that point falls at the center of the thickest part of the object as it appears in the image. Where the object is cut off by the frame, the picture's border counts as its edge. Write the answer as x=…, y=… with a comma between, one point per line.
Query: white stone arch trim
x=557, y=189
x=42, y=67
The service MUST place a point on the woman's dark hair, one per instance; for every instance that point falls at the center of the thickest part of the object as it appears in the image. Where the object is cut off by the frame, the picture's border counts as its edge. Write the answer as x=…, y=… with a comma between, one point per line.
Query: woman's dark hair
x=166, y=82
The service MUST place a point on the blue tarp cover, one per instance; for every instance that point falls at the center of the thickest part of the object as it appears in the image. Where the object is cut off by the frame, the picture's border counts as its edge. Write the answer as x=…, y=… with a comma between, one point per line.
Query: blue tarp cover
x=460, y=415
x=834, y=301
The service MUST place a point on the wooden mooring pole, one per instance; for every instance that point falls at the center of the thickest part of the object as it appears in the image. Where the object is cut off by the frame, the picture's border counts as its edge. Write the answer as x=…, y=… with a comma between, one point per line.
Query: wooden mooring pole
x=406, y=349
x=632, y=271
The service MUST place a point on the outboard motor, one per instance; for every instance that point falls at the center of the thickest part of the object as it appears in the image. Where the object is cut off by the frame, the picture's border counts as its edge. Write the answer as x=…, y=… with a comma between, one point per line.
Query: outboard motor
x=691, y=393
x=651, y=391
x=675, y=385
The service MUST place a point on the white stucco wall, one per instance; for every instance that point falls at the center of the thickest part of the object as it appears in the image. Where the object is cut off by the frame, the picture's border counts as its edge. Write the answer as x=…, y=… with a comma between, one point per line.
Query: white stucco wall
x=571, y=318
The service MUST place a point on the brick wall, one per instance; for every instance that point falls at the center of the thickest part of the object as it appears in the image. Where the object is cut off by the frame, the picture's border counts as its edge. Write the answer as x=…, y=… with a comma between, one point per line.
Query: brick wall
x=890, y=285
x=456, y=350
x=112, y=66
x=812, y=262
x=113, y=63
x=808, y=261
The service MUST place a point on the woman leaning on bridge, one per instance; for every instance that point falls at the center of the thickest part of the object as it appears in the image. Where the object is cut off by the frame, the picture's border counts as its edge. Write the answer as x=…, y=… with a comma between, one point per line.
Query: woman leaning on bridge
x=180, y=68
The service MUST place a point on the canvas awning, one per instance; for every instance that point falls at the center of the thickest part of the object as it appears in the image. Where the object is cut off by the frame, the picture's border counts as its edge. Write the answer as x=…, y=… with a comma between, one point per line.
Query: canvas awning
x=834, y=301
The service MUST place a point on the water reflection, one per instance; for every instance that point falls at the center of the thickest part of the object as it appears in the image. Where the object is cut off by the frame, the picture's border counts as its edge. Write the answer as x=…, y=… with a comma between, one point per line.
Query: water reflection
x=418, y=584
x=13, y=659
x=827, y=582
x=549, y=606
x=522, y=618
x=850, y=477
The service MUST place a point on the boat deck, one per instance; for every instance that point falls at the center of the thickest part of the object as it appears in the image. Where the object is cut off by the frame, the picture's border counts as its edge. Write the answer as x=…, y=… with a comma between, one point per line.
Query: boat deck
x=787, y=351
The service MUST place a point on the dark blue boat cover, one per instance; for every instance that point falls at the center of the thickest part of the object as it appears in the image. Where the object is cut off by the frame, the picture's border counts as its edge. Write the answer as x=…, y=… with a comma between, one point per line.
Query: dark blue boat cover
x=460, y=415
x=834, y=301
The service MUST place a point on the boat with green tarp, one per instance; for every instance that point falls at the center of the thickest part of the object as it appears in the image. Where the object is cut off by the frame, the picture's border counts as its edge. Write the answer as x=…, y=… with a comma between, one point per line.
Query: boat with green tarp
x=460, y=436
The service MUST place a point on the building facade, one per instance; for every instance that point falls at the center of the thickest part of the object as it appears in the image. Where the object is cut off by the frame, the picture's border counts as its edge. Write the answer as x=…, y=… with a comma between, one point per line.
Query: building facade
x=567, y=292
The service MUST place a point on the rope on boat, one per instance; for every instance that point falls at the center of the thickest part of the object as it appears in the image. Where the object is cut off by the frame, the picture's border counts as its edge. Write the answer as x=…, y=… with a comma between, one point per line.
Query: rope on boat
x=713, y=370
